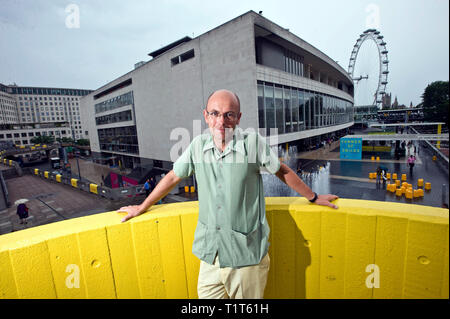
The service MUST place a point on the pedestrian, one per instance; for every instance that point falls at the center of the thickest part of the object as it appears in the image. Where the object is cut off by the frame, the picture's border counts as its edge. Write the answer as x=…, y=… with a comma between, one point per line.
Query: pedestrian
x=231, y=238
x=22, y=211
x=411, y=160
x=146, y=187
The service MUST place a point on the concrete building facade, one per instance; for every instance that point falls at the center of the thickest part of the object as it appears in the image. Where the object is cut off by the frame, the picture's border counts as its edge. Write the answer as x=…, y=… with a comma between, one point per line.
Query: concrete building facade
x=283, y=83
x=26, y=112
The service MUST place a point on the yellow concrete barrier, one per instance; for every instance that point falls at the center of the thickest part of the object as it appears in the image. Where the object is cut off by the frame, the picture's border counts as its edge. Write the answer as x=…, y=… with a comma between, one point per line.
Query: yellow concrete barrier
x=93, y=188
x=420, y=182
x=192, y=189
x=36, y=171
x=316, y=253
x=74, y=182
x=403, y=189
x=186, y=189
x=372, y=158
x=397, y=183
x=58, y=178
x=420, y=190
x=409, y=193
x=10, y=163
x=388, y=175
x=427, y=186
x=394, y=176
x=398, y=192
x=46, y=174
x=403, y=177
x=378, y=158
x=416, y=193
x=434, y=157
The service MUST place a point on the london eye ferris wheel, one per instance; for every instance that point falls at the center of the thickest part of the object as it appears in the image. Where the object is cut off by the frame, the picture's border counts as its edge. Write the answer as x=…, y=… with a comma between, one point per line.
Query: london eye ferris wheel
x=368, y=67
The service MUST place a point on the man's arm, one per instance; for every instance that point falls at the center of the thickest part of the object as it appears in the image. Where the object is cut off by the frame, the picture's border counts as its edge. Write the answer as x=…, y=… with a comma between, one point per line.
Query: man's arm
x=288, y=176
x=161, y=189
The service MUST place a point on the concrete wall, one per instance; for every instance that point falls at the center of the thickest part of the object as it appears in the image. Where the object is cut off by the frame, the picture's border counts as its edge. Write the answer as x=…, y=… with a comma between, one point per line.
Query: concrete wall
x=315, y=252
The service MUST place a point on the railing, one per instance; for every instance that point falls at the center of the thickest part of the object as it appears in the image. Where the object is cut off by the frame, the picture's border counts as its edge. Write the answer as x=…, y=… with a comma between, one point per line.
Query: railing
x=365, y=249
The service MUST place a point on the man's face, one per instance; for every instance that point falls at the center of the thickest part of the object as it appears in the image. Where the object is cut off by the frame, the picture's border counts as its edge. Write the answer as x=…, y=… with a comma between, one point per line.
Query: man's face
x=222, y=114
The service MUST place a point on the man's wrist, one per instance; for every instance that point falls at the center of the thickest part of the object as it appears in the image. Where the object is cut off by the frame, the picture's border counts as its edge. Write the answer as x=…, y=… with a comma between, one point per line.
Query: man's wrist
x=313, y=199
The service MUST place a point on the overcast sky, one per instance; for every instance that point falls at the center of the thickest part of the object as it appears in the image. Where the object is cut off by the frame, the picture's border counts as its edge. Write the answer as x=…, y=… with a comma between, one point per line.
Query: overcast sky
x=41, y=43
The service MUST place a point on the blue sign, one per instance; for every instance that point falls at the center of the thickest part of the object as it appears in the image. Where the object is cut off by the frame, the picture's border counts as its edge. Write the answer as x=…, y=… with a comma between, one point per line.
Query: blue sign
x=351, y=148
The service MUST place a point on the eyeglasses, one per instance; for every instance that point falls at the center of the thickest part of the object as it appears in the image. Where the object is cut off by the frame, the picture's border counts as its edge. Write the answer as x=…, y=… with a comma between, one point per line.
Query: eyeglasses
x=230, y=116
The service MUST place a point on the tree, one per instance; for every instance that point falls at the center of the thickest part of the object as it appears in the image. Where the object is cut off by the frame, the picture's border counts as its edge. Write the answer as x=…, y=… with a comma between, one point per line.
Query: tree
x=82, y=142
x=42, y=140
x=435, y=102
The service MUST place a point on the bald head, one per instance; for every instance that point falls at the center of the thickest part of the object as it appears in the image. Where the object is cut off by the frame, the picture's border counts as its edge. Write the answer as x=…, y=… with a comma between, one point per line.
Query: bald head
x=224, y=95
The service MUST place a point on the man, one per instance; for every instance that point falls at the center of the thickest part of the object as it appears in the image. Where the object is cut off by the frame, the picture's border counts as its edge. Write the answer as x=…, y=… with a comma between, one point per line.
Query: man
x=147, y=187
x=231, y=238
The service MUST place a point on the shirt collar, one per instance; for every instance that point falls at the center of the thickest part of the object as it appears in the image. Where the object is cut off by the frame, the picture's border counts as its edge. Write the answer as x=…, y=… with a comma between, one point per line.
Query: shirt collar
x=237, y=144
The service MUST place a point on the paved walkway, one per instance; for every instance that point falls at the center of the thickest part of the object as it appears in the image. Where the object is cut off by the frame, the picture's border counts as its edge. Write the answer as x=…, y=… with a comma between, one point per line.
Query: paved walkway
x=325, y=172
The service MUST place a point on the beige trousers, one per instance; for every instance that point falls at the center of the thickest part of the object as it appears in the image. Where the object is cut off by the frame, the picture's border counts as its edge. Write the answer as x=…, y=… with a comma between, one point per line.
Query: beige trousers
x=234, y=283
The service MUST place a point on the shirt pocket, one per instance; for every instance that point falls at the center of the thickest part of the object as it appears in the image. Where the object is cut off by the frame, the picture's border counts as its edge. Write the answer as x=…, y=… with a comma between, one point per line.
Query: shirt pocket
x=248, y=249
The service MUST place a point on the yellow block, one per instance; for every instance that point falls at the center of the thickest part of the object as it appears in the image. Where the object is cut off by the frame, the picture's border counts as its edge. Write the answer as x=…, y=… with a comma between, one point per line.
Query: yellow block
x=403, y=177
x=388, y=175
x=46, y=174
x=192, y=189
x=416, y=192
x=398, y=192
x=378, y=158
x=427, y=186
x=405, y=184
x=74, y=182
x=394, y=176
x=420, y=190
x=10, y=162
x=36, y=171
x=403, y=188
x=434, y=157
x=4, y=161
x=186, y=189
x=397, y=183
x=58, y=178
x=93, y=188
x=409, y=194
x=420, y=182
x=372, y=158
x=316, y=252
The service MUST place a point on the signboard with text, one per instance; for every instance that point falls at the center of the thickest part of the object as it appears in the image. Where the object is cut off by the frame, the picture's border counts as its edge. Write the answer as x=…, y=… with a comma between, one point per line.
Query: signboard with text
x=351, y=148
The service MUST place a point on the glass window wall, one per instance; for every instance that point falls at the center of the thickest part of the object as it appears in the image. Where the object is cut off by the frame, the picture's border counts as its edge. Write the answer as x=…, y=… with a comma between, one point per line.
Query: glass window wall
x=290, y=109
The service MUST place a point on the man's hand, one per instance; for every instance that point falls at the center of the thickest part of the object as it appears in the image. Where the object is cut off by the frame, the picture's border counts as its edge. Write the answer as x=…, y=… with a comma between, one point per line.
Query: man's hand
x=132, y=211
x=325, y=200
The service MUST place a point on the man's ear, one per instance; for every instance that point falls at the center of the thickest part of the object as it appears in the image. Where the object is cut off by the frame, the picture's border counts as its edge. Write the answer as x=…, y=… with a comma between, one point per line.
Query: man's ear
x=239, y=118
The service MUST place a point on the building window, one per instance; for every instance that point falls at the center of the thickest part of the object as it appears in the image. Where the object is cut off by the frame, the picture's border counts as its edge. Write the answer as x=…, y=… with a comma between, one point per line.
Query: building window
x=183, y=57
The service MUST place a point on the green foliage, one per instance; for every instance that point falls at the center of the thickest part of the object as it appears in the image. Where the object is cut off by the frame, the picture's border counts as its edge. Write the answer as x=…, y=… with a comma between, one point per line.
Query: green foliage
x=43, y=140
x=435, y=102
x=83, y=142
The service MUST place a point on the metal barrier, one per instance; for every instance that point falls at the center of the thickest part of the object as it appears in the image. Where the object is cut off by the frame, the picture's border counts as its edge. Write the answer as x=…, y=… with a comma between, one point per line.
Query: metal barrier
x=87, y=186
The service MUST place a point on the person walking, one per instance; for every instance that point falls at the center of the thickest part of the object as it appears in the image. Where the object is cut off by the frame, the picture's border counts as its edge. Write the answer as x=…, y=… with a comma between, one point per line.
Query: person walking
x=147, y=188
x=411, y=160
x=22, y=211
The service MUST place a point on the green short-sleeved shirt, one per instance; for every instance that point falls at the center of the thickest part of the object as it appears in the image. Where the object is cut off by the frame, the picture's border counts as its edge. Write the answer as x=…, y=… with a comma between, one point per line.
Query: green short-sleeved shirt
x=232, y=217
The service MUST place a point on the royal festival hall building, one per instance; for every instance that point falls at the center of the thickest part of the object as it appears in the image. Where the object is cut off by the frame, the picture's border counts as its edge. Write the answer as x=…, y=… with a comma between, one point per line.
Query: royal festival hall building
x=283, y=83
